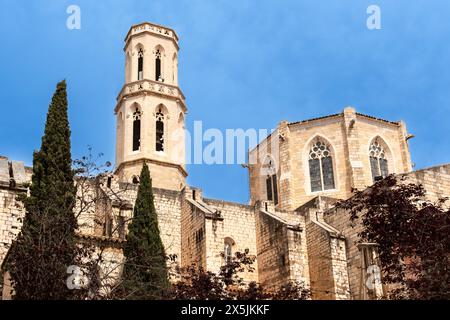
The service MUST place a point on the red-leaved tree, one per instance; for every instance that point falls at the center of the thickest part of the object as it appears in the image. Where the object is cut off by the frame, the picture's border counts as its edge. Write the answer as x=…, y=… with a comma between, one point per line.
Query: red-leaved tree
x=413, y=235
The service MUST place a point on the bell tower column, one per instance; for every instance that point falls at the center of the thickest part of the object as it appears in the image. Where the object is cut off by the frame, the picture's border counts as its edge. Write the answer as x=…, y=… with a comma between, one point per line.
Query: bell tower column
x=151, y=109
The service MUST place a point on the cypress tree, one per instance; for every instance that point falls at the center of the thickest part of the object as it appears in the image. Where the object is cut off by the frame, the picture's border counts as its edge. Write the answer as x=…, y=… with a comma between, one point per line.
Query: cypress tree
x=45, y=247
x=145, y=270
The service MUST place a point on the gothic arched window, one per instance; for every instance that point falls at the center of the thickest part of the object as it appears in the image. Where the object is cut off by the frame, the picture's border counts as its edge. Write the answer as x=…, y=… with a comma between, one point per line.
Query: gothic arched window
x=378, y=161
x=158, y=65
x=271, y=182
x=136, y=130
x=140, y=64
x=228, y=249
x=159, y=130
x=321, y=167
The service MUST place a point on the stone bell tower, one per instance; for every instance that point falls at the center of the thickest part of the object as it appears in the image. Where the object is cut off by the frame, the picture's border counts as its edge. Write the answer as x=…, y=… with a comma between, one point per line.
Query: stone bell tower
x=150, y=109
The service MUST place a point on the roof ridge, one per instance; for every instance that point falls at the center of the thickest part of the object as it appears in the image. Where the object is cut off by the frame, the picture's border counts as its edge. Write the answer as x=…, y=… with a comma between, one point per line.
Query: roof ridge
x=316, y=118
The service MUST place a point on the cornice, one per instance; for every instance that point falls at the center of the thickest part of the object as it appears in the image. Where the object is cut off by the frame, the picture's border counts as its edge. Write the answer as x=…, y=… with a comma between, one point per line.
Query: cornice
x=151, y=87
x=158, y=162
x=152, y=29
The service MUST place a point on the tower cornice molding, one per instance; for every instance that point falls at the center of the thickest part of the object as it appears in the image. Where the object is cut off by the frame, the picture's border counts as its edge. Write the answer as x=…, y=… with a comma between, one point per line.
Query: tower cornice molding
x=152, y=29
x=157, y=88
x=148, y=160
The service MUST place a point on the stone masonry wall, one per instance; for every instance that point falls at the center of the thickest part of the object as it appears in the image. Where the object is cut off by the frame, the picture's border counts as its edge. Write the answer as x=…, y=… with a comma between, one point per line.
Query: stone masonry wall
x=348, y=134
x=168, y=205
x=339, y=219
x=282, y=247
x=326, y=252
x=13, y=178
x=238, y=225
x=11, y=215
x=298, y=254
x=193, y=243
x=321, y=271
x=271, y=236
x=436, y=181
x=92, y=220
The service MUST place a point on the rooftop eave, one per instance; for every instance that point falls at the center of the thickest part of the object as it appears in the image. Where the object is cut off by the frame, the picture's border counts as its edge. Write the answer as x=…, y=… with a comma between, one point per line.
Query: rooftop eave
x=289, y=225
x=336, y=115
x=397, y=123
x=331, y=116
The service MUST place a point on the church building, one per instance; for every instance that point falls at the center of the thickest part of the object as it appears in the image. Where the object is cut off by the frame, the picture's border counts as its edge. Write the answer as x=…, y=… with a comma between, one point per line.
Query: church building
x=296, y=175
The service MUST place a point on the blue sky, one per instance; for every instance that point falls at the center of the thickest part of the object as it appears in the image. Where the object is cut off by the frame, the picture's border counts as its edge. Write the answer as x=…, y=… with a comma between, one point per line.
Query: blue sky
x=242, y=64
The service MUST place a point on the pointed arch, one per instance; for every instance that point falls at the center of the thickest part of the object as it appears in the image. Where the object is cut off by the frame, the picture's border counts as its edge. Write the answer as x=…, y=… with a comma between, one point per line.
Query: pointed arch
x=229, y=246
x=159, y=55
x=380, y=158
x=140, y=61
x=137, y=114
x=162, y=108
x=269, y=176
x=161, y=116
x=321, y=164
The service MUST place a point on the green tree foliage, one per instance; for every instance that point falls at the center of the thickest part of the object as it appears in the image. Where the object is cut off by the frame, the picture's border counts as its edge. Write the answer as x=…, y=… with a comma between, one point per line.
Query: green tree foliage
x=145, y=273
x=46, y=245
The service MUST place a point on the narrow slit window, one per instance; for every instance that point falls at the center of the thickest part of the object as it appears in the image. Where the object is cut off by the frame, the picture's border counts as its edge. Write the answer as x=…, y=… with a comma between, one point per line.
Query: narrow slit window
x=275, y=189
x=159, y=131
x=136, y=130
x=140, y=64
x=314, y=174
x=158, y=74
x=228, y=250
x=269, y=188
x=327, y=172
x=271, y=183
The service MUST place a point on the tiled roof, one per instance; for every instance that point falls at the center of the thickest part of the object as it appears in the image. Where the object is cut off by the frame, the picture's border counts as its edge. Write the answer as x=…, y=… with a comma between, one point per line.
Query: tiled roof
x=317, y=118
x=375, y=118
